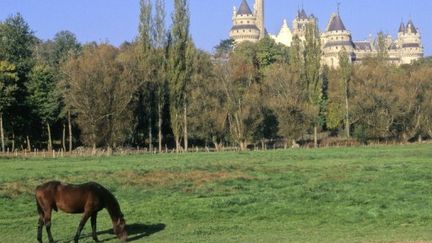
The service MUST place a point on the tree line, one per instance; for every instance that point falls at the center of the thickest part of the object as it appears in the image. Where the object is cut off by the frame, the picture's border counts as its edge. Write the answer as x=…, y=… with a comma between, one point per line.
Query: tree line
x=161, y=91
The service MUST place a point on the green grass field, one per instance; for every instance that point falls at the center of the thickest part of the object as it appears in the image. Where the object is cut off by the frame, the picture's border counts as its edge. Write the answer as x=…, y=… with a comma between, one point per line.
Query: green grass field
x=381, y=194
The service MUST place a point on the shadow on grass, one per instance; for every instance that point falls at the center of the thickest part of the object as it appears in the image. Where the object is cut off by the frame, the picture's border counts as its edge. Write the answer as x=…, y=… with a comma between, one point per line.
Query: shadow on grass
x=135, y=232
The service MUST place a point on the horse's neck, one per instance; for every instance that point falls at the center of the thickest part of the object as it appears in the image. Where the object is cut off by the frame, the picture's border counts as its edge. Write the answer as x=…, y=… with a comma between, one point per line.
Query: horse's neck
x=113, y=208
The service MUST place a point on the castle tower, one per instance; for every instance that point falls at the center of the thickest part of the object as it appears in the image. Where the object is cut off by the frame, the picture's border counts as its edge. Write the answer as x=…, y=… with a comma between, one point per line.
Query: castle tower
x=259, y=13
x=410, y=44
x=334, y=40
x=244, y=24
x=300, y=23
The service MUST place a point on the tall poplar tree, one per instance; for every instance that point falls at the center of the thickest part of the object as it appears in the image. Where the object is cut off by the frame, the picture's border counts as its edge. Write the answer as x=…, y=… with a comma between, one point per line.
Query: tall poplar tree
x=178, y=67
x=147, y=69
x=311, y=75
x=346, y=73
x=160, y=62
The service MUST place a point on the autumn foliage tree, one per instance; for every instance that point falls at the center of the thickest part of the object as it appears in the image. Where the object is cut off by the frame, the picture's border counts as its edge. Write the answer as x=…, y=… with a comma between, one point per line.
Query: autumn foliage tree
x=101, y=90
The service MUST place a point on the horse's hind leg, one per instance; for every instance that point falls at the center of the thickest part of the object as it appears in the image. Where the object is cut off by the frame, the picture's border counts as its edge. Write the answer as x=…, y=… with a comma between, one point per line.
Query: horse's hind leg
x=39, y=229
x=84, y=219
x=47, y=221
x=93, y=224
x=40, y=221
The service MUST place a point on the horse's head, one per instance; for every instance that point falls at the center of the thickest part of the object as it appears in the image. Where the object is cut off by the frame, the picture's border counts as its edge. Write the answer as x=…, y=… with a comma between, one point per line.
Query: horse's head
x=120, y=229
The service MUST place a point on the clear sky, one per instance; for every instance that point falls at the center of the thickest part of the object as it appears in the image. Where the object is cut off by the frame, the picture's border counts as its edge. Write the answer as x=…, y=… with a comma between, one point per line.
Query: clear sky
x=117, y=20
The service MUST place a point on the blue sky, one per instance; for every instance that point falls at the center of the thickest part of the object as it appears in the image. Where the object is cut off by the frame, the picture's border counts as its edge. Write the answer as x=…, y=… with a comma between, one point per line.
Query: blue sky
x=117, y=20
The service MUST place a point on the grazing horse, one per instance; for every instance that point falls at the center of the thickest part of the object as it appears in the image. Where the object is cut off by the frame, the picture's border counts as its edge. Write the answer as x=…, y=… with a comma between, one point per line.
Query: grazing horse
x=88, y=199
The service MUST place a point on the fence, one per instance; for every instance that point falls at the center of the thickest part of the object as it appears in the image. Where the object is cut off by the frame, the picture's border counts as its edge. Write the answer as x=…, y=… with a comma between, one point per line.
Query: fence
x=268, y=145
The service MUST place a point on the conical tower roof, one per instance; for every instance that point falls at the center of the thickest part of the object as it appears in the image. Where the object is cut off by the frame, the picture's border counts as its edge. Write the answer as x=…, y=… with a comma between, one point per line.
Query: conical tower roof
x=301, y=14
x=336, y=23
x=244, y=9
x=402, y=28
x=285, y=30
x=411, y=27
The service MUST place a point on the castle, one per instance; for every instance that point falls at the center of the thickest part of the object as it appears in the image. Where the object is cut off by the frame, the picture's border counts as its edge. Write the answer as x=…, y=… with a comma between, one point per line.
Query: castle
x=249, y=25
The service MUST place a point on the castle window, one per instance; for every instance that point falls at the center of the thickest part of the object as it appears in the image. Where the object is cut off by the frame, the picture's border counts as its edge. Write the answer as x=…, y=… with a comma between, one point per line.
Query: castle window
x=248, y=21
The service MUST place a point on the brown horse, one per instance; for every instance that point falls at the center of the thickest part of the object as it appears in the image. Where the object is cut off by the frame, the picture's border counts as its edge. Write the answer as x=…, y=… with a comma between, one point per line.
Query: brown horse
x=88, y=198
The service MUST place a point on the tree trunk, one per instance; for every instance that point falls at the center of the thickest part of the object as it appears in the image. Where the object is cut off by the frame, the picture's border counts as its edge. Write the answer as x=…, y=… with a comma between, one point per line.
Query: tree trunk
x=160, y=127
x=94, y=141
x=13, y=141
x=64, y=137
x=243, y=146
x=70, y=131
x=315, y=136
x=177, y=133
x=347, y=122
x=49, y=137
x=185, y=128
x=2, y=133
x=94, y=149
x=218, y=145
x=177, y=141
x=28, y=144
x=150, y=133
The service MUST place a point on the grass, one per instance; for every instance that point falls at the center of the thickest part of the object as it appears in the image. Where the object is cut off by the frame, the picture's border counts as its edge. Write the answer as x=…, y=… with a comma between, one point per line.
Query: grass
x=379, y=194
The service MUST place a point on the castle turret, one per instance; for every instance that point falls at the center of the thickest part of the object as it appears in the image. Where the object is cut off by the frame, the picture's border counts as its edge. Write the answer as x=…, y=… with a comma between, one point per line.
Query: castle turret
x=402, y=28
x=335, y=39
x=300, y=23
x=410, y=44
x=244, y=25
x=259, y=12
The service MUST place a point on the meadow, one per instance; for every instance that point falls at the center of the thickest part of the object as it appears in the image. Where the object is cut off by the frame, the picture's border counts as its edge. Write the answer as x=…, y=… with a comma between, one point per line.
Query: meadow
x=365, y=194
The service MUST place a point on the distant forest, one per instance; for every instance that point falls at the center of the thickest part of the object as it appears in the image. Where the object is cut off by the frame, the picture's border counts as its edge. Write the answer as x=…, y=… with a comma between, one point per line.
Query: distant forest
x=160, y=91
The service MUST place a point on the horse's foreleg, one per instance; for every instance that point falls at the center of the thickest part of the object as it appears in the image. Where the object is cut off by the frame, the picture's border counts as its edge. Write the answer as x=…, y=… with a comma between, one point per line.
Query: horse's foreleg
x=84, y=219
x=39, y=229
x=93, y=224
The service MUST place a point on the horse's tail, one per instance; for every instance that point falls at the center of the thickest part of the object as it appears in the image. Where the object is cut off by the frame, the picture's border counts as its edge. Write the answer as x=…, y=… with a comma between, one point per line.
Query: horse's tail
x=38, y=206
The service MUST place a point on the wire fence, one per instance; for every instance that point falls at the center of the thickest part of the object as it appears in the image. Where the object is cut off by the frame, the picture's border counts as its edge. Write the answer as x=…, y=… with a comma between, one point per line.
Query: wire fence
x=265, y=146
